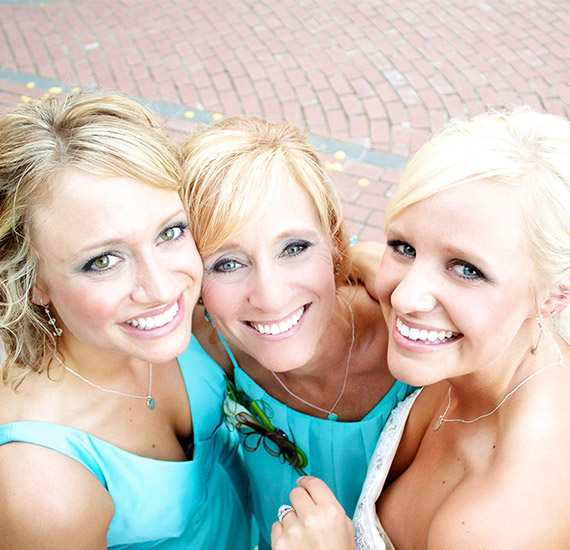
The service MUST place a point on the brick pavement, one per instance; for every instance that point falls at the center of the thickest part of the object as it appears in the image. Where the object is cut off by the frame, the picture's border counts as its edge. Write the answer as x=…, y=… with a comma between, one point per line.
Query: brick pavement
x=368, y=79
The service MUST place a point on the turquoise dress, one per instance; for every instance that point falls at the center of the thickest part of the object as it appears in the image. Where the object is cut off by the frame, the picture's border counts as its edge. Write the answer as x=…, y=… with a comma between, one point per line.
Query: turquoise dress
x=191, y=505
x=338, y=452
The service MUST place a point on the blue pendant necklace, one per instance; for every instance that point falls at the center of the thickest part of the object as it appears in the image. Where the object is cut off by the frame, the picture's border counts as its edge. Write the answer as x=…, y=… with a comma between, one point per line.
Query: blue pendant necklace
x=149, y=400
x=331, y=415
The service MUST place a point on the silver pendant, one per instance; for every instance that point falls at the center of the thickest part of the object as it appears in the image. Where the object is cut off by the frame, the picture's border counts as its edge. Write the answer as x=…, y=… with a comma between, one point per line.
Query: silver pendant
x=438, y=424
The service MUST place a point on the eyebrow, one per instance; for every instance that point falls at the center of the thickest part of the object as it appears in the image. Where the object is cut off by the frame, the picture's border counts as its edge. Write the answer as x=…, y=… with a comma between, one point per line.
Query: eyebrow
x=296, y=231
x=118, y=241
x=465, y=254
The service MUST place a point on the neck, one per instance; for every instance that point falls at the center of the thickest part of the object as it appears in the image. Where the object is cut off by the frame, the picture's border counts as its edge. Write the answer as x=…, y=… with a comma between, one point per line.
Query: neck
x=478, y=393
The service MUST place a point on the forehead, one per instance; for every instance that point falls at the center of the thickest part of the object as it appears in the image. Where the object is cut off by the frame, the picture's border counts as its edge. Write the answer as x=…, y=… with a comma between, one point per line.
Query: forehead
x=84, y=206
x=482, y=215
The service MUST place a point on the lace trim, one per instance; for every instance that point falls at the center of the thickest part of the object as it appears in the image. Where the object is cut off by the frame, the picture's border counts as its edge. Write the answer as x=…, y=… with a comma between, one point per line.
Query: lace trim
x=366, y=526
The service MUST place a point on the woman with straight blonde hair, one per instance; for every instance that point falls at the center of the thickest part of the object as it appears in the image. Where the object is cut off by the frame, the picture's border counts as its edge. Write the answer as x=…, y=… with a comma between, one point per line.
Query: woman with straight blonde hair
x=303, y=342
x=474, y=285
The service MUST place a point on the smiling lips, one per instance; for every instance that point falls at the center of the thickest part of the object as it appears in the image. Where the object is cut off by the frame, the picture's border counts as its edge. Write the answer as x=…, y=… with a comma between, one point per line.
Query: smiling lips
x=279, y=328
x=148, y=323
x=423, y=335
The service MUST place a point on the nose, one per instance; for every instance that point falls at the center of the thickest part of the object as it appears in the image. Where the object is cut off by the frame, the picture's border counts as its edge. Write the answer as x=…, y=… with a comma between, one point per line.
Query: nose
x=416, y=292
x=269, y=289
x=153, y=281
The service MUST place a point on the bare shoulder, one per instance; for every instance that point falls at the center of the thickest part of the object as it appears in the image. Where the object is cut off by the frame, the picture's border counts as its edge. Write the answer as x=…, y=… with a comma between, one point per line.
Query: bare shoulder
x=47, y=501
x=366, y=257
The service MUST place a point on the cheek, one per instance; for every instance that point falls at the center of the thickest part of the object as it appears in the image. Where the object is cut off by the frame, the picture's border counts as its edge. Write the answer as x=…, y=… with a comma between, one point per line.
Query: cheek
x=220, y=298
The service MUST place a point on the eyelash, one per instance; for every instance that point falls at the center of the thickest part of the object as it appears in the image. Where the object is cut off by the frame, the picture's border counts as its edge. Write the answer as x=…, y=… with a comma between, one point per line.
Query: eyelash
x=88, y=266
x=478, y=276
x=302, y=244
x=394, y=244
x=217, y=266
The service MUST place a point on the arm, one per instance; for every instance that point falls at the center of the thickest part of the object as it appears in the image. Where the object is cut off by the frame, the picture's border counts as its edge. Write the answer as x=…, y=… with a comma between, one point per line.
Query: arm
x=318, y=522
x=49, y=501
x=366, y=257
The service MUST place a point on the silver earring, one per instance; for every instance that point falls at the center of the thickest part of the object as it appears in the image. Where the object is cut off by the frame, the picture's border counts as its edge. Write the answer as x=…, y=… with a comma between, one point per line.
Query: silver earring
x=535, y=350
x=57, y=332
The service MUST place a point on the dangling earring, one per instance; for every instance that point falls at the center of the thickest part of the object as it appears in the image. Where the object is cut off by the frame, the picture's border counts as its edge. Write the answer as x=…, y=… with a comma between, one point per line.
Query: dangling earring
x=535, y=350
x=57, y=332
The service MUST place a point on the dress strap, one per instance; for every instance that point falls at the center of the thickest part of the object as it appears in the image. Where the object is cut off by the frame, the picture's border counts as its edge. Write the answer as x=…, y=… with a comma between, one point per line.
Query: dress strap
x=223, y=341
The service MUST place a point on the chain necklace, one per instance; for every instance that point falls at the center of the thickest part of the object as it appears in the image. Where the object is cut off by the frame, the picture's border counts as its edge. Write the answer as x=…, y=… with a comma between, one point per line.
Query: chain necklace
x=330, y=414
x=149, y=400
x=442, y=418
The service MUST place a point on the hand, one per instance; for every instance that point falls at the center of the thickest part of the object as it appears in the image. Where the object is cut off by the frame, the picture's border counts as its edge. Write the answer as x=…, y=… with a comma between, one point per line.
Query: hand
x=318, y=522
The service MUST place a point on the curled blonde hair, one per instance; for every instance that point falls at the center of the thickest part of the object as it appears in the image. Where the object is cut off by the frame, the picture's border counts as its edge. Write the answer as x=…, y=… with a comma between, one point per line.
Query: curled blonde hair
x=104, y=134
x=229, y=172
x=519, y=148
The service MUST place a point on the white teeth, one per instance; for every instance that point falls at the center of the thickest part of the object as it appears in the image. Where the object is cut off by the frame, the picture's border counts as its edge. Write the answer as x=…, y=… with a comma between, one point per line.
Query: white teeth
x=148, y=323
x=428, y=336
x=283, y=326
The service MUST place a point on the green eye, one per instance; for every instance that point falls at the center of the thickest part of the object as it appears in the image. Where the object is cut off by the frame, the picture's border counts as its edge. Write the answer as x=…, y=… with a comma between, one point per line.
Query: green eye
x=168, y=234
x=101, y=263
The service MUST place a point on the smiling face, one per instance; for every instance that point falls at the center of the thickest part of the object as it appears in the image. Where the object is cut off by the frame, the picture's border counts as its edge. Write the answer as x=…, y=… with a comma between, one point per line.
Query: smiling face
x=270, y=288
x=118, y=265
x=456, y=284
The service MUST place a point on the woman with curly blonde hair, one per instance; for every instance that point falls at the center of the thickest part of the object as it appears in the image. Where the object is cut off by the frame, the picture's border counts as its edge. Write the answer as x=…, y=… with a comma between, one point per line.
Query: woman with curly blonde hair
x=110, y=416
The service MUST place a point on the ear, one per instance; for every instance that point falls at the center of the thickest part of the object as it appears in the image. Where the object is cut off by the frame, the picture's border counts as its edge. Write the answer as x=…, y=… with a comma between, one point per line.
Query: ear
x=40, y=297
x=557, y=301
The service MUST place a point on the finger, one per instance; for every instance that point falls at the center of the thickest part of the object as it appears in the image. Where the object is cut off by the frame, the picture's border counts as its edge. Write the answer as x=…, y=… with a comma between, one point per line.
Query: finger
x=316, y=489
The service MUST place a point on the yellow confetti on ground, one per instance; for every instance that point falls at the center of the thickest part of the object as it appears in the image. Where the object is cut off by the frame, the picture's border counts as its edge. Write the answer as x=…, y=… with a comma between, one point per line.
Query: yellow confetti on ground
x=217, y=116
x=189, y=114
x=45, y=96
x=333, y=166
x=26, y=99
x=31, y=85
x=364, y=182
x=75, y=90
x=340, y=155
x=55, y=90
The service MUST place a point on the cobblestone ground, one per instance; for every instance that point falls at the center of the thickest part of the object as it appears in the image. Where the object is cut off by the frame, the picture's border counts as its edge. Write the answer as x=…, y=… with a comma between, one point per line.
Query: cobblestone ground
x=369, y=80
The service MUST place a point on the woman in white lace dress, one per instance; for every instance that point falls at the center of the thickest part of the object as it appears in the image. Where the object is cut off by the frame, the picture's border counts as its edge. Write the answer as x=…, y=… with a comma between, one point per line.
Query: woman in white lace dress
x=474, y=284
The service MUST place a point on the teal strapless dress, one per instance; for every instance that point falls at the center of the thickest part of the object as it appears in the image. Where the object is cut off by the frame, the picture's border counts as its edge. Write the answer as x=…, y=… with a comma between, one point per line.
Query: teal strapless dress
x=338, y=452
x=197, y=504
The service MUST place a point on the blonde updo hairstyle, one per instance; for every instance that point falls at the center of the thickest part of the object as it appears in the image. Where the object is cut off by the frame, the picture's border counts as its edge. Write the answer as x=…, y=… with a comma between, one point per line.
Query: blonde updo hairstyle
x=519, y=148
x=230, y=170
x=107, y=135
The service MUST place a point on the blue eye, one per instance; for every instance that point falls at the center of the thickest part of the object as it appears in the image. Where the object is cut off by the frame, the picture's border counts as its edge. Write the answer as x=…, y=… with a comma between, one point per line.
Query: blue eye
x=104, y=262
x=467, y=271
x=226, y=266
x=403, y=248
x=296, y=248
